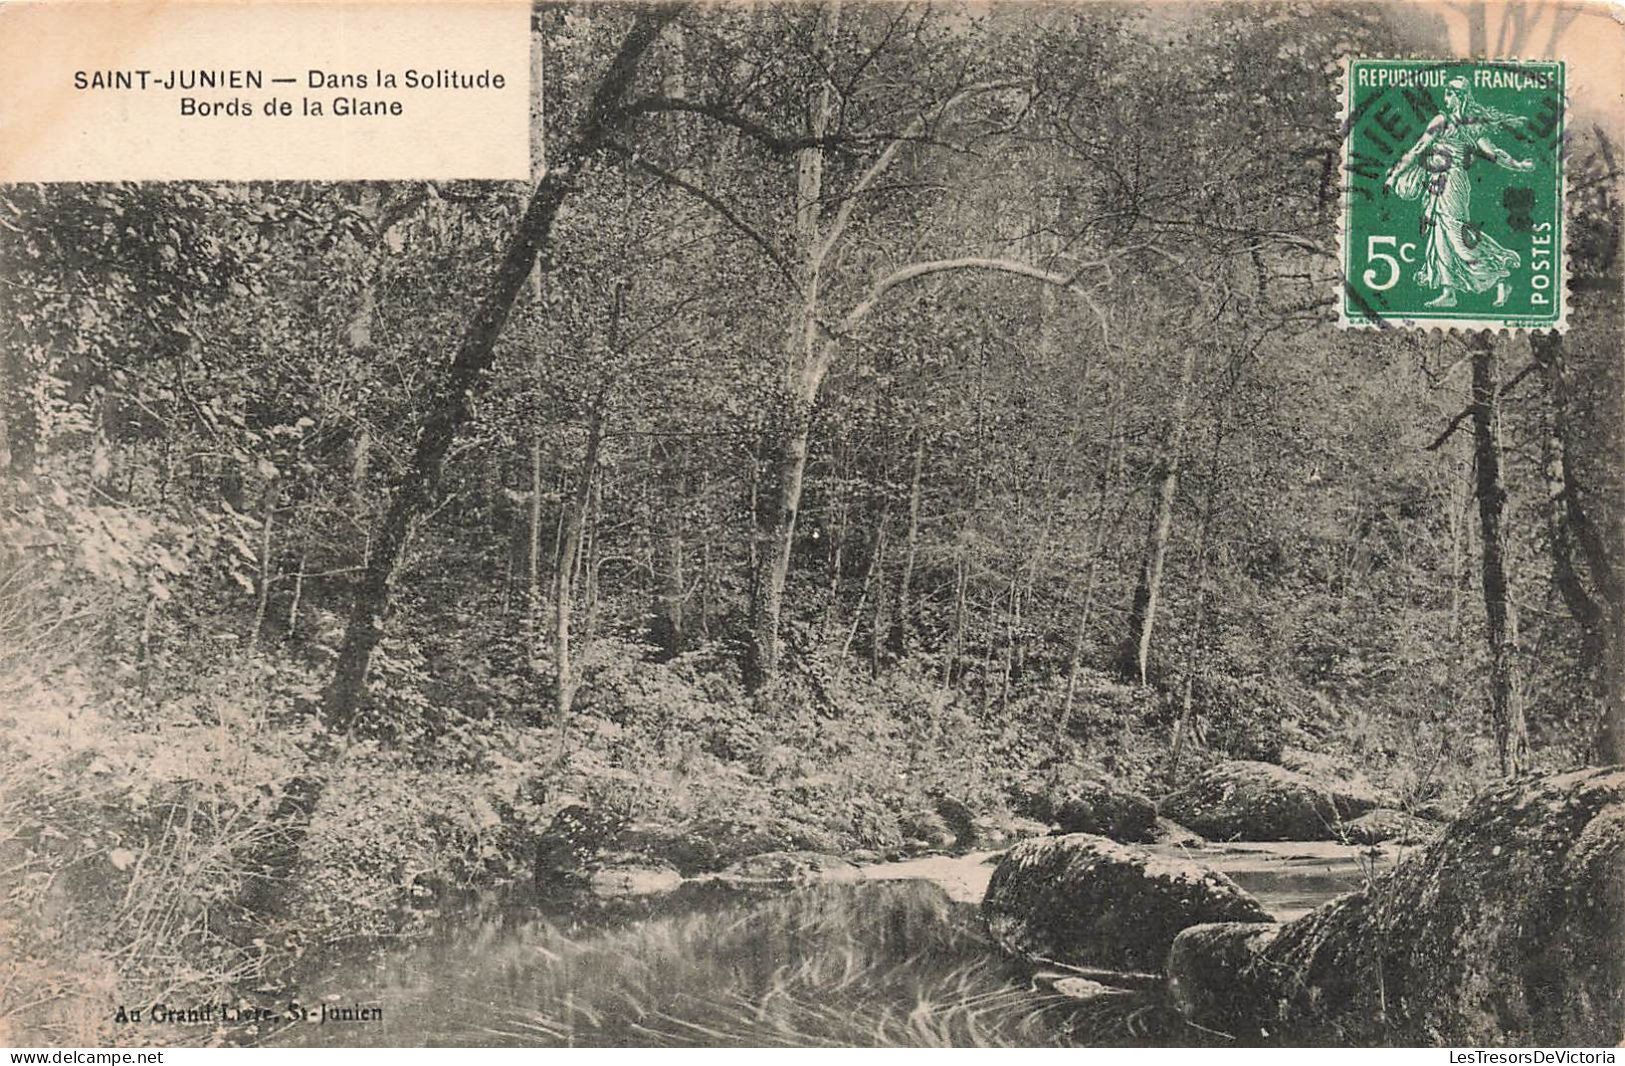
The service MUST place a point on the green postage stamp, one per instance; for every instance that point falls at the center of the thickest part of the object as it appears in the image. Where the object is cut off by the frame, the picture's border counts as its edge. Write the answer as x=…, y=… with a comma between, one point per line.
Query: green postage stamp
x=1453, y=194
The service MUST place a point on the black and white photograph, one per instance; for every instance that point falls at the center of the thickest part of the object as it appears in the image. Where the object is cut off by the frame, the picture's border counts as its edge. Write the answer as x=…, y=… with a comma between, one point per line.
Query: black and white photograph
x=916, y=524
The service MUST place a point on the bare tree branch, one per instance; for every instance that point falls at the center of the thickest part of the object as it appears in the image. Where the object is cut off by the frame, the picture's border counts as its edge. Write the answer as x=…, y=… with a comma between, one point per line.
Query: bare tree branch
x=1466, y=412
x=915, y=271
x=915, y=129
x=711, y=201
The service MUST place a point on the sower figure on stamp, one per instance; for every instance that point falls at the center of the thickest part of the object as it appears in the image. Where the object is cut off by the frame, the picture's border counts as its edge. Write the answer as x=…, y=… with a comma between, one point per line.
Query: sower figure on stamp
x=1459, y=254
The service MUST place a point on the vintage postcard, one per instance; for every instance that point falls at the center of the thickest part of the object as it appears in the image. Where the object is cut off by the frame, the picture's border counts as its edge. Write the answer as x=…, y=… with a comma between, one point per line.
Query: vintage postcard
x=811, y=523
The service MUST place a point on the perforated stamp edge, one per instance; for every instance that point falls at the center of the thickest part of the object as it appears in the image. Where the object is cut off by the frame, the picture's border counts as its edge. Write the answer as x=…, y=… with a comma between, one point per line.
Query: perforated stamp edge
x=1442, y=325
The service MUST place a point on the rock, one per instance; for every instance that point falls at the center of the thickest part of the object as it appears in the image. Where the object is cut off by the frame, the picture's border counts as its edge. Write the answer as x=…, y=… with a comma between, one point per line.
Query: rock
x=926, y=827
x=729, y=840
x=689, y=851
x=629, y=876
x=1083, y=900
x=1208, y=971
x=1336, y=771
x=1385, y=824
x=1168, y=831
x=793, y=867
x=959, y=818
x=1257, y=801
x=1103, y=809
x=1507, y=929
x=1080, y=800
x=1074, y=987
x=576, y=838
x=995, y=831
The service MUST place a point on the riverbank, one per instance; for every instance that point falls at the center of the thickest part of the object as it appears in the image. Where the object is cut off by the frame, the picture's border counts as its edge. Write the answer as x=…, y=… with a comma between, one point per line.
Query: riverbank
x=160, y=839
x=159, y=834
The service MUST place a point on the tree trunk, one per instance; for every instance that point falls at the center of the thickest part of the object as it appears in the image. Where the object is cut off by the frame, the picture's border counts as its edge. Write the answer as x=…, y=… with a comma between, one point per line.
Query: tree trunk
x=877, y=570
x=777, y=528
x=1596, y=605
x=1134, y=658
x=262, y=599
x=902, y=625
x=668, y=627
x=447, y=405
x=298, y=589
x=575, y=518
x=668, y=624
x=1193, y=656
x=1108, y=482
x=773, y=568
x=533, y=573
x=1501, y=630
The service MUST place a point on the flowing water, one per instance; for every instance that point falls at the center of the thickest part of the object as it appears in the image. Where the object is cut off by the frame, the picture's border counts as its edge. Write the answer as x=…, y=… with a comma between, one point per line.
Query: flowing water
x=898, y=959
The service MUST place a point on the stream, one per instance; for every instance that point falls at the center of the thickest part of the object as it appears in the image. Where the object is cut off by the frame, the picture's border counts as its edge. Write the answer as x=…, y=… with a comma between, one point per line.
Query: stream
x=897, y=958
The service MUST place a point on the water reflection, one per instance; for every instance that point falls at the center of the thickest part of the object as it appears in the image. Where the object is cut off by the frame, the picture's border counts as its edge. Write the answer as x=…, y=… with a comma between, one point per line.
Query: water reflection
x=888, y=964
x=883, y=963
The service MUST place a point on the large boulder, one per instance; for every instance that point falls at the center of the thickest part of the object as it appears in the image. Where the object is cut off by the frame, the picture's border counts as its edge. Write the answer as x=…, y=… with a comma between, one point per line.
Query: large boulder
x=1083, y=900
x=1257, y=801
x=1345, y=779
x=1105, y=810
x=1212, y=979
x=1082, y=801
x=1508, y=929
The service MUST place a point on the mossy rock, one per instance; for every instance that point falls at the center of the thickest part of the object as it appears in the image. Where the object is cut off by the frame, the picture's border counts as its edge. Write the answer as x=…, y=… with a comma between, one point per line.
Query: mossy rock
x=1507, y=929
x=1168, y=831
x=575, y=839
x=1241, y=800
x=1083, y=900
x=1082, y=801
x=1208, y=971
x=1106, y=810
x=959, y=818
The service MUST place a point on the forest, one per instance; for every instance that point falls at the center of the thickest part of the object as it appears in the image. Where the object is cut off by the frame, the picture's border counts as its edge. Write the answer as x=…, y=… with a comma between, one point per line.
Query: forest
x=864, y=404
